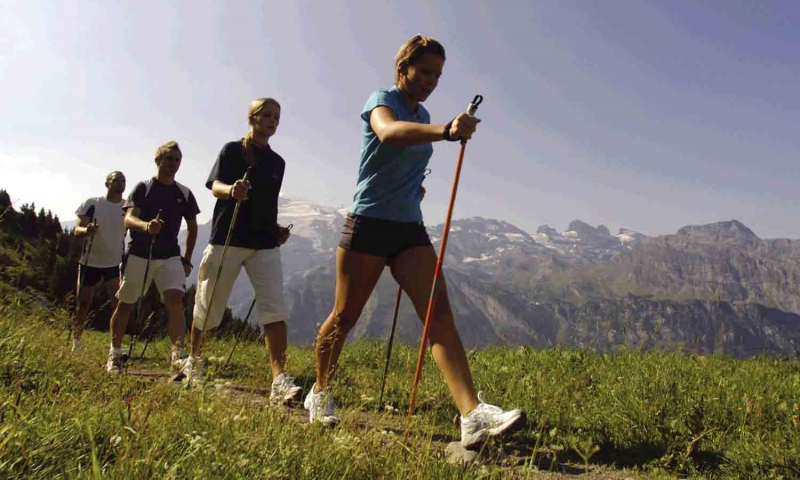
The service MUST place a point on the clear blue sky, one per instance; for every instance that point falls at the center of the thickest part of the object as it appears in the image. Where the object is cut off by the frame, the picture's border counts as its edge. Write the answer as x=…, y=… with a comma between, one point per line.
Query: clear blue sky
x=638, y=114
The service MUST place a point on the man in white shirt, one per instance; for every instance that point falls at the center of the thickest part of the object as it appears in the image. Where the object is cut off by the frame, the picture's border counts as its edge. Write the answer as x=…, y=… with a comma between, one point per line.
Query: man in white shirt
x=101, y=221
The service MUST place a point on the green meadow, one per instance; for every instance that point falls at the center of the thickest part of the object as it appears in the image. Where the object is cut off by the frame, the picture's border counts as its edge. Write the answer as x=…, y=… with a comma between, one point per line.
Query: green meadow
x=630, y=414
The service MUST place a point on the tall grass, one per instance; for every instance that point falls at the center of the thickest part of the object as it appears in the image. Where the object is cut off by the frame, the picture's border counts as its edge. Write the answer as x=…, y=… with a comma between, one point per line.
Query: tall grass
x=63, y=417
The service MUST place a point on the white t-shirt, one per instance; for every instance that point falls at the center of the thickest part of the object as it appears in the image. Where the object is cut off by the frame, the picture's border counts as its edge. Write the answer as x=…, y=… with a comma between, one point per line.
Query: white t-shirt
x=109, y=240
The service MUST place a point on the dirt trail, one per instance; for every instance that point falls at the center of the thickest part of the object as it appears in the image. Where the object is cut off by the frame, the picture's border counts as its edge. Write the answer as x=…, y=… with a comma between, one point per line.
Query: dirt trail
x=513, y=458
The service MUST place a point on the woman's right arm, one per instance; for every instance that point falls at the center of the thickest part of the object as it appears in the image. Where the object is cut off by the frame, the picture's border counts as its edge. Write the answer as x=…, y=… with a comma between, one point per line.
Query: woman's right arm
x=221, y=190
x=392, y=131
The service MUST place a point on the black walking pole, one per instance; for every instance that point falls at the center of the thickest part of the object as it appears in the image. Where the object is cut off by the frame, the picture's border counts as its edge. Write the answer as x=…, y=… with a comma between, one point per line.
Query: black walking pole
x=394, y=324
x=239, y=335
x=82, y=271
x=90, y=243
x=147, y=327
x=225, y=246
x=140, y=306
x=389, y=349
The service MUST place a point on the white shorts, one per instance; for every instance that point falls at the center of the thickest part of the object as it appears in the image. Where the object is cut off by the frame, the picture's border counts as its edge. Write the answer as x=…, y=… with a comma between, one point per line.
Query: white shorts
x=168, y=274
x=266, y=274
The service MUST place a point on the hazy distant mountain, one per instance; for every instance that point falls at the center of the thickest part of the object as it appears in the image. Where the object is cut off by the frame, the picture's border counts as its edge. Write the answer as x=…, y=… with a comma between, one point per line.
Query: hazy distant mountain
x=708, y=288
x=723, y=260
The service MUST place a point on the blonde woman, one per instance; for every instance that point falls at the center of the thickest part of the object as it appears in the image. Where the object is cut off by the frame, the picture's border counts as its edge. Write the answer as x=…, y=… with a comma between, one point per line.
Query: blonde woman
x=384, y=226
x=254, y=244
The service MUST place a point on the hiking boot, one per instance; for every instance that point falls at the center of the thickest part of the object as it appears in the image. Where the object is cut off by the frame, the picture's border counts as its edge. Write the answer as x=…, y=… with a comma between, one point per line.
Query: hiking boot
x=487, y=421
x=77, y=347
x=115, y=364
x=284, y=391
x=320, y=407
x=177, y=358
x=193, y=370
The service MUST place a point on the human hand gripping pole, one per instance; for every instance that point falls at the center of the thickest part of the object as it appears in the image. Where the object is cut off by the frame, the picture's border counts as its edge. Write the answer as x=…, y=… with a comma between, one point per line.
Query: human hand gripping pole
x=140, y=308
x=471, y=109
x=225, y=247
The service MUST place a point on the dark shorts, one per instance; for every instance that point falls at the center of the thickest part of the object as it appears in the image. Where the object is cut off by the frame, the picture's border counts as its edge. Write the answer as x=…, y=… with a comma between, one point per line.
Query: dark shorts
x=95, y=275
x=382, y=238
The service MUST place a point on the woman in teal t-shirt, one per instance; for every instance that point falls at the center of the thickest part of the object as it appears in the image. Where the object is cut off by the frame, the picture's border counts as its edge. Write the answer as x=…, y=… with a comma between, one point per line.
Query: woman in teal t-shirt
x=384, y=226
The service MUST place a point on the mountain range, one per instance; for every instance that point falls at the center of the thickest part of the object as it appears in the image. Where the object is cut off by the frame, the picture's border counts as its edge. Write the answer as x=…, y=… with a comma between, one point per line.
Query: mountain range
x=714, y=288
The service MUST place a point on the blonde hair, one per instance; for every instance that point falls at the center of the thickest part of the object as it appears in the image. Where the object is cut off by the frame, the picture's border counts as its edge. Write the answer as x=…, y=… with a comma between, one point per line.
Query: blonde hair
x=168, y=147
x=255, y=107
x=411, y=51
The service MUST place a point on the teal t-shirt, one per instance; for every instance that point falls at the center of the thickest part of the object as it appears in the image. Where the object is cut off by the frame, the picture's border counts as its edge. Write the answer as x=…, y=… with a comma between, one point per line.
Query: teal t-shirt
x=390, y=178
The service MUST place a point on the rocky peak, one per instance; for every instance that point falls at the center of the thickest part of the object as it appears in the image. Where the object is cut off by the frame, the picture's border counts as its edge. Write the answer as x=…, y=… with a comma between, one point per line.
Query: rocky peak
x=627, y=236
x=730, y=230
x=584, y=230
x=547, y=230
x=581, y=228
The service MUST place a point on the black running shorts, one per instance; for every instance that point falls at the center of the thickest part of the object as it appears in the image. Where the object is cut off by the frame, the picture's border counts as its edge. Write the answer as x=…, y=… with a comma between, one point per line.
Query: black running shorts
x=382, y=238
x=95, y=275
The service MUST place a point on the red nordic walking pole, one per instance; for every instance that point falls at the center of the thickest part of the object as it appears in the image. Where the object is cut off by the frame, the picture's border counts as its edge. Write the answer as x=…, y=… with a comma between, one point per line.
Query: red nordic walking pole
x=473, y=107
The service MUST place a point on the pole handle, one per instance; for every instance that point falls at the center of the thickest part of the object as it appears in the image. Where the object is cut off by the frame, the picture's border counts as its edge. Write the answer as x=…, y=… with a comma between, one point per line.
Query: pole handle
x=153, y=240
x=472, y=108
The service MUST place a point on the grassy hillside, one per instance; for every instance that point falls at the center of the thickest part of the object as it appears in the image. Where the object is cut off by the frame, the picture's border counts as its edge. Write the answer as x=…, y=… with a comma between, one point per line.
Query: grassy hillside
x=659, y=414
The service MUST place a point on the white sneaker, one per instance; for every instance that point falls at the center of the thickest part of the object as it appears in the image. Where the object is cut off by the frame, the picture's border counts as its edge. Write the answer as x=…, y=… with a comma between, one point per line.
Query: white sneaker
x=487, y=421
x=177, y=357
x=115, y=364
x=320, y=408
x=284, y=391
x=77, y=347
x=193, y=370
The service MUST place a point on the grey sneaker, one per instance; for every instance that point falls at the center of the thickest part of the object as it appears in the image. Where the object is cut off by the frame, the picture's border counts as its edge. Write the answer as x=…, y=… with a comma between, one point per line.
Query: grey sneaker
x=487, y=421
x=320, y=408
x=177, y=358
x=284, y=391
x=115, y=364
x=193, y=370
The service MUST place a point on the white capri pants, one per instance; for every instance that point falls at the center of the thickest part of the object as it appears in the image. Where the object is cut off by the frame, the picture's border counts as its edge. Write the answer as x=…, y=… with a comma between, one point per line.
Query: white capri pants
x=168, y=274
x=266, y=275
